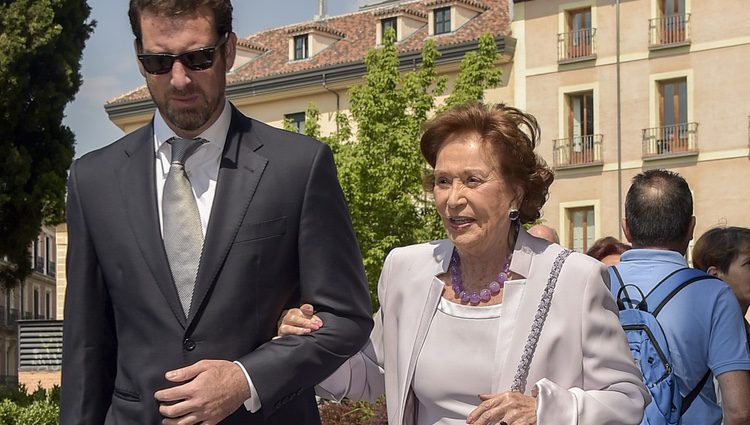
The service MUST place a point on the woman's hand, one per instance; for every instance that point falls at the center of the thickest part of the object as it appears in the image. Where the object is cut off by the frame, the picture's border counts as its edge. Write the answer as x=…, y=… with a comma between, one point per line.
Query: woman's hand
x=510, y=407
x=298, y=321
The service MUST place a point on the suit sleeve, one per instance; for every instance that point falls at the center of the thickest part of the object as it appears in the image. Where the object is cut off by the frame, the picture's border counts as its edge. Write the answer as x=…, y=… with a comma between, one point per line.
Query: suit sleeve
x=362, y=377
x=612, y=391
x=332, y=279
x=89, y=344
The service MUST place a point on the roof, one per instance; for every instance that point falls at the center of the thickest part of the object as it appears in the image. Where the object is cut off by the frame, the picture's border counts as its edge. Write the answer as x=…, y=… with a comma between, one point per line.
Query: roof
x=357, y=35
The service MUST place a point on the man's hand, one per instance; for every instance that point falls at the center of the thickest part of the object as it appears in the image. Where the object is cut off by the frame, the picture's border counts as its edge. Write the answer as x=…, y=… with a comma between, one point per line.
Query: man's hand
x=211, y=390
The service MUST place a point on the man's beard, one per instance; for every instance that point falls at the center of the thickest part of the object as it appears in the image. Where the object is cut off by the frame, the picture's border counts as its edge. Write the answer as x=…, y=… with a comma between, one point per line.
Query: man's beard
x=188, y=119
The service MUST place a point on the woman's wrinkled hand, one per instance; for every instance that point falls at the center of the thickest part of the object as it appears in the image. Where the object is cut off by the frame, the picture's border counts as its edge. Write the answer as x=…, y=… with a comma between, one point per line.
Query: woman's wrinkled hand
x=510, y=407
x=299, y=321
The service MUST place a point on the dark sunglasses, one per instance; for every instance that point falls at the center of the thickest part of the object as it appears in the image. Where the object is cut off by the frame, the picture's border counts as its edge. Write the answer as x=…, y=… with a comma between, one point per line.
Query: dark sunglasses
x=197, y=60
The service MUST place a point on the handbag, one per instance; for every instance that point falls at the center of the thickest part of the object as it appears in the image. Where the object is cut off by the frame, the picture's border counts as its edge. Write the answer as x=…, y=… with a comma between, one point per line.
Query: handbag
x=522, y=372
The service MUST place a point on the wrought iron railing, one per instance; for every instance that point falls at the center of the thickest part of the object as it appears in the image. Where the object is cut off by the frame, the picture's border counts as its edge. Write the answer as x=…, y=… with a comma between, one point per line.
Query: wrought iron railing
x=577, y=151
x=39, y=264
x=576, y=45
x=669, y=30
x=669, y=140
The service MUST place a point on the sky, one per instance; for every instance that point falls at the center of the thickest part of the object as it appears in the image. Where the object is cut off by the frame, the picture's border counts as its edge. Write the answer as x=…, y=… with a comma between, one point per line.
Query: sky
x=109, y=64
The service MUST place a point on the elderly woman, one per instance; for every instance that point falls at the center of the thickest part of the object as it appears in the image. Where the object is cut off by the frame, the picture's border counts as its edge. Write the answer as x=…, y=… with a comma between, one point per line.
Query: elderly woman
x=724, y=252
x=453, y=341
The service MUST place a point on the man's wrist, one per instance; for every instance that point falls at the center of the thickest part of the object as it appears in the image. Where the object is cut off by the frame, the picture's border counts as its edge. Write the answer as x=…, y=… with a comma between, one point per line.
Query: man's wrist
x=252, y=401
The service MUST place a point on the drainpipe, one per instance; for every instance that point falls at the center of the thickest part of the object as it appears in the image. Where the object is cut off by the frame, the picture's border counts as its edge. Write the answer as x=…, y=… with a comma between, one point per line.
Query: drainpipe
x=338, y=100
x=619, y=128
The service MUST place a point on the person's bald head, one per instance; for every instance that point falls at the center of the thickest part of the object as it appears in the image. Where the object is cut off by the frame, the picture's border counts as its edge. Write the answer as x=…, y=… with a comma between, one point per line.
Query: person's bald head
x=544, y=232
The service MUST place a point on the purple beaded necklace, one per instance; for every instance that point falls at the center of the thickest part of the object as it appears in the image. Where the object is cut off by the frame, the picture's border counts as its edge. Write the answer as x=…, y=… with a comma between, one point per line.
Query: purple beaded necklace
x=493, y=288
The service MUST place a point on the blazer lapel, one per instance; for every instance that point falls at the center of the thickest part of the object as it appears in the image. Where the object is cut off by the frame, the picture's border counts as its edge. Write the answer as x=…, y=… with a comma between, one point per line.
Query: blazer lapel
x=513, y=295
x=432, y=298
x=520, y=300
x=513, y=326
x=138, y=188
x=239, y=174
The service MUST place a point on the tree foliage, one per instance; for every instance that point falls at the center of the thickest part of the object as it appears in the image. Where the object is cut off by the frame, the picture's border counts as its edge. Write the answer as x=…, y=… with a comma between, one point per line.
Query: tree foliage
x=381, y=168
x=41, y=43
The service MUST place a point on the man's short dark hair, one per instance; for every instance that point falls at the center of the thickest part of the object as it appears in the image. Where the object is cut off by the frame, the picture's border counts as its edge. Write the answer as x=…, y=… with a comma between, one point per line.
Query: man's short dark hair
x=658, y=208
x=222, y=10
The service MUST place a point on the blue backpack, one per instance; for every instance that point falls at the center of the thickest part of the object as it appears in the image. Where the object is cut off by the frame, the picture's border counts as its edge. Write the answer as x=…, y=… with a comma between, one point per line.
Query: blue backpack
x=649, y=347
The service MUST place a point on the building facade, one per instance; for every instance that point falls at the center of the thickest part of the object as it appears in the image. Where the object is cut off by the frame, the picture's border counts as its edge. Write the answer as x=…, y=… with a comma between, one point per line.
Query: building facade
x=34, y=299
x=618, y=87
x=660, y=86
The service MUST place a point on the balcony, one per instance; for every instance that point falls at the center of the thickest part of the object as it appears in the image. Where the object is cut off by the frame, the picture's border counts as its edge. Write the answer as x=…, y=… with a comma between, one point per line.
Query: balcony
x=669, y=31
x=671, y=140
x=51, y=269
x=576, y=45
x=39, y=264
x=580, y=151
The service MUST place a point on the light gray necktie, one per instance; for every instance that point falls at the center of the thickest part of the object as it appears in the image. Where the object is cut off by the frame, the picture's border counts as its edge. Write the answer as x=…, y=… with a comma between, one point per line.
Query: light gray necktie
x=183, y=237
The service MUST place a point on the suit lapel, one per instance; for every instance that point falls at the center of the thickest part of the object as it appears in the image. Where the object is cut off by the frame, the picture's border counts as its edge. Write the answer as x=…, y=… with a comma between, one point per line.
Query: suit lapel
x=138, y=188
x=239, y=174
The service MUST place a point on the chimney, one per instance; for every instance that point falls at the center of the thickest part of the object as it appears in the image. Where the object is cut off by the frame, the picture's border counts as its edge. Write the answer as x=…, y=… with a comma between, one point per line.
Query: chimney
x=322, y=13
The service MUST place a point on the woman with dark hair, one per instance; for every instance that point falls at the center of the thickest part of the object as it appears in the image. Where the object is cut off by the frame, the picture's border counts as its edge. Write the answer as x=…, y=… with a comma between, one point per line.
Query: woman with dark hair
x=466, y=323
x=608, y=250
x=724, y=252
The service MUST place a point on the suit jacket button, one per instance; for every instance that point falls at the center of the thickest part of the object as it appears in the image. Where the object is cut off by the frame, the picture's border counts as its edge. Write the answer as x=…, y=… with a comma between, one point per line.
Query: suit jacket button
x=188, y=344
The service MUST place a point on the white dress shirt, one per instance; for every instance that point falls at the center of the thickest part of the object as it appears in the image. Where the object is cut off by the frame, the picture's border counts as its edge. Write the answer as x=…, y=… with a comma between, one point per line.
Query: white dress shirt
x=202, y=168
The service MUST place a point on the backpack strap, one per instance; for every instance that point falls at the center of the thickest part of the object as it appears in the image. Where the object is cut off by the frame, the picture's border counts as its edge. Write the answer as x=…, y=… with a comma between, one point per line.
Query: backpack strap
x=673, y=283
x=614, y=274
x=688, y=400
x=663, y=292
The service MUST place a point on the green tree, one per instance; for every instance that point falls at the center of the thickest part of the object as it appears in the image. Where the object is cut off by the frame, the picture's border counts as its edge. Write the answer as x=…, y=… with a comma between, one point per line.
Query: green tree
x=41, y=43
x=381, y=170
x=477, y=73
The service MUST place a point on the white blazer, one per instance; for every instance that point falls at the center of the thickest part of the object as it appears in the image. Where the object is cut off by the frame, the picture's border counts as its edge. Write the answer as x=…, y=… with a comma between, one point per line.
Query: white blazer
x=582, y=366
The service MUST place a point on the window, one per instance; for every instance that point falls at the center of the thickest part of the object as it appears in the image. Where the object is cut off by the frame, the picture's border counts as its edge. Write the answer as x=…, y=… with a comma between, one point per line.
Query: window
x=581, y=230
x=672, y=25
x=36, y=261
x=581, y=126
x=387, y=23
x=580, y=34
x=36, y=303
x=47, y=255
x=300, y=47
x=442, y=20
x=673, y=117
x=296, y=121
x=48, y=305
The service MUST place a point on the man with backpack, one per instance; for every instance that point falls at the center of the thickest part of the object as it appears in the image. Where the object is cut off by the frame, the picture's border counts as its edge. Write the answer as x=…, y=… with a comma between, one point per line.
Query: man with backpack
x=699, y=316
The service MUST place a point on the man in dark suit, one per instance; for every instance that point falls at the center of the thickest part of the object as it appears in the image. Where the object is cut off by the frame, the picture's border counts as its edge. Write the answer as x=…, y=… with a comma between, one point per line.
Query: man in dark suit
x=172, y=300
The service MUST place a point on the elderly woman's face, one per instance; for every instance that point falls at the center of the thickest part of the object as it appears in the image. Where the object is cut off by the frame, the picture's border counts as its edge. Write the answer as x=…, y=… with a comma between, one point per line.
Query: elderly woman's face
x=471, y=195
